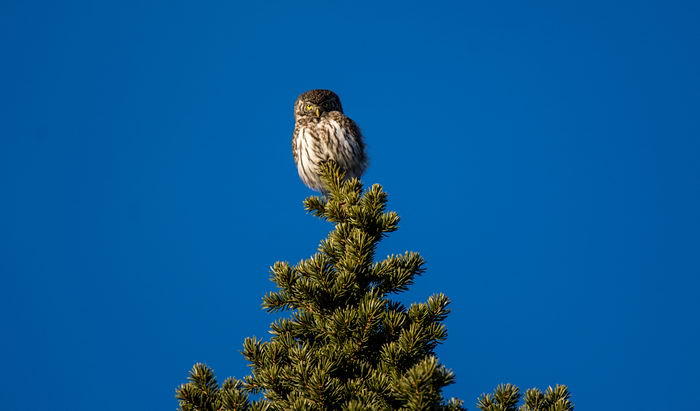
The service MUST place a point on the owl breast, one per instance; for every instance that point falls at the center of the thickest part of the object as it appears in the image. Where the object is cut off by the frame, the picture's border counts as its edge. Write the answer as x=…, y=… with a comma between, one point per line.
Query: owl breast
x=328, y=138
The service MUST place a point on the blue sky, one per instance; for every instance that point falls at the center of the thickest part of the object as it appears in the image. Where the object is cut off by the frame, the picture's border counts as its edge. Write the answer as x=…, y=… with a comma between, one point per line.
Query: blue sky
x=543, y=157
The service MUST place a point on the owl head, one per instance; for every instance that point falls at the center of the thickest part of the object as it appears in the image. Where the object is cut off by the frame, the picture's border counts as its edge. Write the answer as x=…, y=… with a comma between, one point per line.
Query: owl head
x=315, y=103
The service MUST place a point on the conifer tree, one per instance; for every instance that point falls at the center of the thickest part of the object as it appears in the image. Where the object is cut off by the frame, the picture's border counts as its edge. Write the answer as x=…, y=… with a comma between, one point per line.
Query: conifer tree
x=507, y=396
x=346, y=345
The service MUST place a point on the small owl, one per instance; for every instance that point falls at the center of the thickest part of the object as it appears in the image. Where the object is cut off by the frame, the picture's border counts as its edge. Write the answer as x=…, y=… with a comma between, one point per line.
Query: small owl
x=322, y=132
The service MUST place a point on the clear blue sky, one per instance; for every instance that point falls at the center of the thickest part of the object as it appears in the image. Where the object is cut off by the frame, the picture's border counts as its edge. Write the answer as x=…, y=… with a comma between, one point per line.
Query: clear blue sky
x=543, y=156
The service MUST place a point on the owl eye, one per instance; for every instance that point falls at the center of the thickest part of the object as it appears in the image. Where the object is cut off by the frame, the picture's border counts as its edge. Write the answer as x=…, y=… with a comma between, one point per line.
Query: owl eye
x=309, y=107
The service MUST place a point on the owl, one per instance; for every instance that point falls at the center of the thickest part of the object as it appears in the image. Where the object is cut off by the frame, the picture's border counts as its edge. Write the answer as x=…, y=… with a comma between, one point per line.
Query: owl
x=322, y=132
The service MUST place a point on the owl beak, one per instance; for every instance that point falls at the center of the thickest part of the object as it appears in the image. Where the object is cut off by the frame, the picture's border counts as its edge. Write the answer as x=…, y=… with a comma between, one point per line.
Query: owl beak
x=318, y=112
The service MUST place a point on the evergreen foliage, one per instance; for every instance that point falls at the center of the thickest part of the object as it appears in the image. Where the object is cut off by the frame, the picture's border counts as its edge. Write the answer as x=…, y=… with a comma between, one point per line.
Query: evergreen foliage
x=507, y=396
x=346, y=345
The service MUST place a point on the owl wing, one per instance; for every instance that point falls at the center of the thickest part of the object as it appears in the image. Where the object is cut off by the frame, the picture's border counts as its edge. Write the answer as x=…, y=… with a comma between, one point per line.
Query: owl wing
x=356, y=139
x=348, y=124
x=294, y=143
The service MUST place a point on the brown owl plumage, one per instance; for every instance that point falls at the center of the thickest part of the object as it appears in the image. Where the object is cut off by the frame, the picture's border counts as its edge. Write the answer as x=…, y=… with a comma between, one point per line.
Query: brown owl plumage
x=322, y=132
